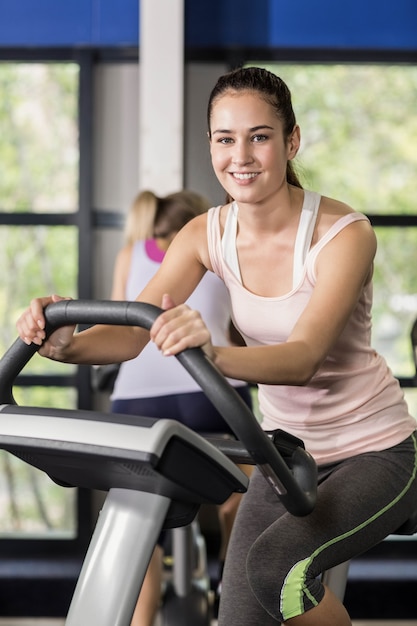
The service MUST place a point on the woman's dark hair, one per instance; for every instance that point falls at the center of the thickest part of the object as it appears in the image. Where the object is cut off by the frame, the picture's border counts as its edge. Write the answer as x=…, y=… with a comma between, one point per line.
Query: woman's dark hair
x=271, y=88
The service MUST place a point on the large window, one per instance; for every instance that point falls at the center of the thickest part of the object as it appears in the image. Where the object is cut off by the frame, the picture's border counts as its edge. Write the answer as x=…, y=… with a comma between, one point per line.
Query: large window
x=359, y=132
x=39, y=201
x=39, y=137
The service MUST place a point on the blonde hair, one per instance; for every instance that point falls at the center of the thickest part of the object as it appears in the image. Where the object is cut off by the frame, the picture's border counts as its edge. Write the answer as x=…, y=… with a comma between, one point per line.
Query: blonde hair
x=150, y=216
x=141, y=217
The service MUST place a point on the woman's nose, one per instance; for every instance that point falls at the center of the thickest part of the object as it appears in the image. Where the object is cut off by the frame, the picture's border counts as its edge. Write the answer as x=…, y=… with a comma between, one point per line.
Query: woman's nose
x=242, y=153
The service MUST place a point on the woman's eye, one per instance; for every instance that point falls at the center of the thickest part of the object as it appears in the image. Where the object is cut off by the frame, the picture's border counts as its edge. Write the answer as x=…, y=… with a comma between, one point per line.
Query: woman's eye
x=225, y=140
x=257, y=138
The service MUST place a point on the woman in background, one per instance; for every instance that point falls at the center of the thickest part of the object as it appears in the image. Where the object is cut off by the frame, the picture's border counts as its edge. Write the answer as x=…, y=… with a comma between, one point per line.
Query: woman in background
x=156, y=387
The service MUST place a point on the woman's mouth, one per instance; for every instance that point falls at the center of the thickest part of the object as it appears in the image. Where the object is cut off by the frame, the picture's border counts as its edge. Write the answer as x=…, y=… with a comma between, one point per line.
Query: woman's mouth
x=244, y=175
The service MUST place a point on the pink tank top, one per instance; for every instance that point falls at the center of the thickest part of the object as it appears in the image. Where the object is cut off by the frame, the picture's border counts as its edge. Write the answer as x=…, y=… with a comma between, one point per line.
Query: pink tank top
x=353, y=404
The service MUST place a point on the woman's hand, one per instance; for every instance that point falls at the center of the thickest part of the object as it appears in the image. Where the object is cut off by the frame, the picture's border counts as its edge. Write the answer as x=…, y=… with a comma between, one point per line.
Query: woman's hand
x=31, y=329
x=178, y=328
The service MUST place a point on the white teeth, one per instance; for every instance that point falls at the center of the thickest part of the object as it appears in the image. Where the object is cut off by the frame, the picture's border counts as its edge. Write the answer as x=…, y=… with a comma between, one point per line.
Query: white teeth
x=244, y=176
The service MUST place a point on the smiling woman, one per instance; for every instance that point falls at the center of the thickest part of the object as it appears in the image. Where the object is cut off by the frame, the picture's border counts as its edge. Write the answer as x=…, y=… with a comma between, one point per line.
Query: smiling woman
x=359, y=148
x=242, y=150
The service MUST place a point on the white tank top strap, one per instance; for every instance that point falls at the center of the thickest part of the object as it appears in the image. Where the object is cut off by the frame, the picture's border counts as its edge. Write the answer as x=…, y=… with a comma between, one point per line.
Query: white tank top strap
x=338, y=226
x=305, y=233
x=229, y=251
x=302, y=244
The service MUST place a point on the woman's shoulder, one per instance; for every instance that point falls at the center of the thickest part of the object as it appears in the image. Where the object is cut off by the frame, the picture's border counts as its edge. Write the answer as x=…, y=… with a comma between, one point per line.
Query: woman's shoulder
x=199, y=223
x=192, y=239
x=335, y=217
x=331, y=211
x=196, y=225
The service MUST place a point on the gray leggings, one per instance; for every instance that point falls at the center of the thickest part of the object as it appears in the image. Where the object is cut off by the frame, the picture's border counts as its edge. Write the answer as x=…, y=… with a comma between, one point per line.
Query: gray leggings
x=274, y=560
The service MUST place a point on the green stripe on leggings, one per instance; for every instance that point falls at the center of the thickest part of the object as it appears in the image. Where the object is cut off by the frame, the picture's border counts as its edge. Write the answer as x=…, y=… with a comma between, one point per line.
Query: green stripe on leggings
x=294, y=584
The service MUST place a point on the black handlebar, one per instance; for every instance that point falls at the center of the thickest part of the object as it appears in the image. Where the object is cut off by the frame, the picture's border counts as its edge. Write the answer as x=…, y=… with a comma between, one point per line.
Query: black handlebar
x=296, y=487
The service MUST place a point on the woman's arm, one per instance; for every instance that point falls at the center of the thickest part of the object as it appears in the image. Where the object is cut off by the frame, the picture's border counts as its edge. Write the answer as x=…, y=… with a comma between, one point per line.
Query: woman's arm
x=98, y=345
x=343, y=268
x=179, y=274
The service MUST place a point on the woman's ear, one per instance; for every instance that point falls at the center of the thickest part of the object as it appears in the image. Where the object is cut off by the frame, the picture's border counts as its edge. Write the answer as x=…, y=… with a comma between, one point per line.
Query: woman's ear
x=294, y=142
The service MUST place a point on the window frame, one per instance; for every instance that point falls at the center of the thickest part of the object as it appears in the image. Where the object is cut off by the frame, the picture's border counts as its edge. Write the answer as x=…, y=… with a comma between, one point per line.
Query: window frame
x=82, y=219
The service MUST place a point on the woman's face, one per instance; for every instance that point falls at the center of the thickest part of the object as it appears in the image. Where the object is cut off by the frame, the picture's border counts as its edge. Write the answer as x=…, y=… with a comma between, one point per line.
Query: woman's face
x=248, y=151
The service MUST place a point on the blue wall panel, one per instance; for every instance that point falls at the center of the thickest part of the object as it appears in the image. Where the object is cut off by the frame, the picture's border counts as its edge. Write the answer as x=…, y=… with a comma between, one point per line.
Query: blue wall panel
x=374, y=24
x=219, y=23
x=350, y=24
x=302, y=23
x=68, y=22
x=116, y=22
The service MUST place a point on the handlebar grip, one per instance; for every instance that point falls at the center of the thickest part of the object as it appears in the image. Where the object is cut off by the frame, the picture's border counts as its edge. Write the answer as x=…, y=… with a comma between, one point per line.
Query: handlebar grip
x=11, y=364
x=296, y=488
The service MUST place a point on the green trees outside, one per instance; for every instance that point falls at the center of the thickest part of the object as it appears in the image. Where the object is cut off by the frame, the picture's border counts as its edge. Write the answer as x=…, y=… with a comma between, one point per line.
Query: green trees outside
x=38, y=174
x=39, y=158
x=34, y=260
x=39, y=137
x=359, y=132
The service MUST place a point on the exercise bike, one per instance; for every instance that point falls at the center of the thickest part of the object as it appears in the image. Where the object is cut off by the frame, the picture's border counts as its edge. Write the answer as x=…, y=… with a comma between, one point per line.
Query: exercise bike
x=157, y=472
